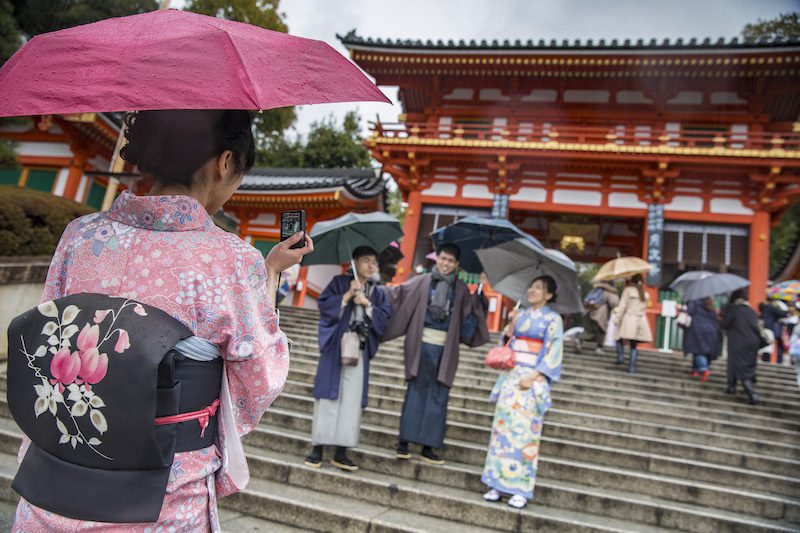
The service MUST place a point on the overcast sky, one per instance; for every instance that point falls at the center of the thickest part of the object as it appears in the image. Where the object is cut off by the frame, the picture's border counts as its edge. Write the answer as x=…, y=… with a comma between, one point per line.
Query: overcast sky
x=511, y=19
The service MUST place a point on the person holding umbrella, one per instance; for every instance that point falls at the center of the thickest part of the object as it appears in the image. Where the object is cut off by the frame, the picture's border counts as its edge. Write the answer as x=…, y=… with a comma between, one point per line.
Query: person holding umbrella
x=170, y=255
x=702, y=337
x=351, y=304
x=435, y=312
x=630, y=318
x=744, y=339
x=522, y=395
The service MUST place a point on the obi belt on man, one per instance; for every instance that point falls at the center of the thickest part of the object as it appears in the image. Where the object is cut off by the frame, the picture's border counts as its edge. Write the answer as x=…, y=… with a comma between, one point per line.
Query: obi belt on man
x=108, y=390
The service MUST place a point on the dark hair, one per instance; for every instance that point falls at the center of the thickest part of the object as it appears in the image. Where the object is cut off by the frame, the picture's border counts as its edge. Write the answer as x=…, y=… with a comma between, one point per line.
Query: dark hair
x=171, y=145
x=738, y=294
x=362, y=251
x=452, y=249
x=639, y=282
x=549, y=284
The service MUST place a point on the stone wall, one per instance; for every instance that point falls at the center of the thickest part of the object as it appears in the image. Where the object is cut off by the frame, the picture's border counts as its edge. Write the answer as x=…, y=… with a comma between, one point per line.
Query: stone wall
x=21, y=286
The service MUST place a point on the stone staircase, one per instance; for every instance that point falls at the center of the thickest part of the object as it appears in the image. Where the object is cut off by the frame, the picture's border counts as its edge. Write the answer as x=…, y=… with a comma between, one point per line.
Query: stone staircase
x=650, y=452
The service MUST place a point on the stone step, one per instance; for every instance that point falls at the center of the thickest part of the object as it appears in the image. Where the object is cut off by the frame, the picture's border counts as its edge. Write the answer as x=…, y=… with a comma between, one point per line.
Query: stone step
x=674, y=379
x=275, y=455
x=573, y=381
x=307, y=324
x=278, y=498
x=599, y=476
x=594, y=454
x=393, y=388
x=672, y=415
x=381, y=466
x=381, y=399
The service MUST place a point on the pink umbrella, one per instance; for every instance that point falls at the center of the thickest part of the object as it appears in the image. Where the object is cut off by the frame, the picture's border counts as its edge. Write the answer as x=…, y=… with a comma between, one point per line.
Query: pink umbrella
x=172, y=59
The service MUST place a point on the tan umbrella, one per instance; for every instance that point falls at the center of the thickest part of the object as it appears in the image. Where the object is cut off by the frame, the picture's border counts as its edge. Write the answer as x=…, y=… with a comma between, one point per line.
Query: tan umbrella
x=622, y=267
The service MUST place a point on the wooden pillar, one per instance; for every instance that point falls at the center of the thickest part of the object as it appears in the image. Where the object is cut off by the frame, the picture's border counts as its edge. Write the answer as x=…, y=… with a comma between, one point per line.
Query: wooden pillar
x=302, y=277
x=410, y=230
x=759, y=257
x=302, y=280
x=76, y=169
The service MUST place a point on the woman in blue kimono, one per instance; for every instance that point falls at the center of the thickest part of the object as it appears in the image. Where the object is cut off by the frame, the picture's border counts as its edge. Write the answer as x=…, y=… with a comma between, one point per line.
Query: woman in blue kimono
x=340, y=390
x=522, y=395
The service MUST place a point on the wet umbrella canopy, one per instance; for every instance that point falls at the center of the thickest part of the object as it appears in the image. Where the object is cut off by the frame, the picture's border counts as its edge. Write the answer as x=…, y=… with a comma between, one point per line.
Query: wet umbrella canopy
x=335, y=240
x=174, y=59
x=713, y=285
x=474, y=233
x=513, y=265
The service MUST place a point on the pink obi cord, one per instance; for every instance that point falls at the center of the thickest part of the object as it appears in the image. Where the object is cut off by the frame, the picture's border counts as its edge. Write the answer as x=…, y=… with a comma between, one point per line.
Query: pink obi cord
x=202, y=416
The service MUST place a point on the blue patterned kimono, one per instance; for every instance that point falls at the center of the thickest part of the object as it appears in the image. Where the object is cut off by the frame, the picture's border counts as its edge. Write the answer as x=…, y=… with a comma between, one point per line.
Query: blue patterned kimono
x=517, y=427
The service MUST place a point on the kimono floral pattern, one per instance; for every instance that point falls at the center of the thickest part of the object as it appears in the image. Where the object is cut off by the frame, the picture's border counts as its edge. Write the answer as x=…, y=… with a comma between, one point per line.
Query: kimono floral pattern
x=513, y=455
x=74, y=372
x=166, y=252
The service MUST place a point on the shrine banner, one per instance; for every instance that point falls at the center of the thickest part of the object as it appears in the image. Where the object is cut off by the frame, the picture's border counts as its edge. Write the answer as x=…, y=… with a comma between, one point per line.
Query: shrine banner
x=655, y=242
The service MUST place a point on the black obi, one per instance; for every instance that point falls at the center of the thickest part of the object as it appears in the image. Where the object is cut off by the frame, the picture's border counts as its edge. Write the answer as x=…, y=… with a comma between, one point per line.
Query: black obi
x=88, y=374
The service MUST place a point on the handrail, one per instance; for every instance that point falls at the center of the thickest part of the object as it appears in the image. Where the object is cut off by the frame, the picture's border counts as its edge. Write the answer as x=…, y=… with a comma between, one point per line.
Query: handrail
x=628, y=135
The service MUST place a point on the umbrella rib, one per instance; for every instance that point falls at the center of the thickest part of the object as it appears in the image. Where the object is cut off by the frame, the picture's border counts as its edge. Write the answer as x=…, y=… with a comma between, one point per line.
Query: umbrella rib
x=253, y=89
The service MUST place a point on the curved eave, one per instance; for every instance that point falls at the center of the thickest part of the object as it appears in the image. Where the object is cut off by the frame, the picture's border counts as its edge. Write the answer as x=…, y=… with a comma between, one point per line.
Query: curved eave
x=331, y=199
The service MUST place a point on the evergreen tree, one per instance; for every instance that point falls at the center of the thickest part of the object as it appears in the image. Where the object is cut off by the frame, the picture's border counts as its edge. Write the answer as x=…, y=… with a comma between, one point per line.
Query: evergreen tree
x=786, y=25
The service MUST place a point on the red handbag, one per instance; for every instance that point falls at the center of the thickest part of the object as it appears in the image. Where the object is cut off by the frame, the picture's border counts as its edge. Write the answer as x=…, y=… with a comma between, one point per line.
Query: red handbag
x=501, y=357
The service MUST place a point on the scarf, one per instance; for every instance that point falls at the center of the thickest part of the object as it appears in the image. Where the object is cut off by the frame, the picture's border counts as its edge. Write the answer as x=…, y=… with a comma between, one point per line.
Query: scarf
x=440, y=301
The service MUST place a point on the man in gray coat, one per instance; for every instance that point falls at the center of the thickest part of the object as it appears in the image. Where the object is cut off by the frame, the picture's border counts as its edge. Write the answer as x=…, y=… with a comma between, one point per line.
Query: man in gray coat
x=436, y=312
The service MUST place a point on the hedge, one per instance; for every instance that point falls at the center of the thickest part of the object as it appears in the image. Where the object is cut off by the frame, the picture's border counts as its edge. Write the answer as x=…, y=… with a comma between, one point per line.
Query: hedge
x=31, y=222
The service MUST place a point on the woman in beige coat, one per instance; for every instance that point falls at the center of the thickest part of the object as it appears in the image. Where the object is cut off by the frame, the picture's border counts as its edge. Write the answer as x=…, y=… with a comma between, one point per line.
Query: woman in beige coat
x=630, y=317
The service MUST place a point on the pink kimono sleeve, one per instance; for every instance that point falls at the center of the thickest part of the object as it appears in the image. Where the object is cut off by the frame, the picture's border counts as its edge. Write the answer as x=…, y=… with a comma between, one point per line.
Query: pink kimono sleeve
x=255, y=349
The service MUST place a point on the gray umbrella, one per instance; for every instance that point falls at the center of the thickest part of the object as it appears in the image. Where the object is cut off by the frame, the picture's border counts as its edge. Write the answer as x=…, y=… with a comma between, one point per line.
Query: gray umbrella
x=687, y=278
x=713, y=285
x=513, y=265
x=335, y=240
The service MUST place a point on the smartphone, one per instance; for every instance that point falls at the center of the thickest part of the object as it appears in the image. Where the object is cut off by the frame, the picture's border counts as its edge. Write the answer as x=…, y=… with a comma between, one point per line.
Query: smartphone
x=291, y=223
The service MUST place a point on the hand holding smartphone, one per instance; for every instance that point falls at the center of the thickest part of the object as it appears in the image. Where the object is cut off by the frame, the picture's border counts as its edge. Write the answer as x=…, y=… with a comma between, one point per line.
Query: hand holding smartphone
x=291, y=223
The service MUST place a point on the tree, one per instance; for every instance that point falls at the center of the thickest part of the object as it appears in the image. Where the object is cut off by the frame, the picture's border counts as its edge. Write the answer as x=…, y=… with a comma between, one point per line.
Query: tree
x=328, y=146
x=783, y=239
x=40, y=16
x=785, y=26
x=264, y=14
x=10, y=37
x=395, y=205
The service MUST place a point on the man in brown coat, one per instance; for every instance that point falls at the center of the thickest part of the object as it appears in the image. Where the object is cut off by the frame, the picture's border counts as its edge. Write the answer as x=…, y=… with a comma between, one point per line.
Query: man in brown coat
x=436, y=312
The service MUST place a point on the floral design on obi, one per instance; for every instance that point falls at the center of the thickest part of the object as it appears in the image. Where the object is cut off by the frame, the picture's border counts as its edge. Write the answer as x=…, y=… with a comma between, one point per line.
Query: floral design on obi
x=77, y=364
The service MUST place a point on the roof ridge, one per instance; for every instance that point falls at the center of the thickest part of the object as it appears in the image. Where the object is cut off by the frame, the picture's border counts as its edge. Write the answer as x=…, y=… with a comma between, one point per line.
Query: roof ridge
x=352, y=38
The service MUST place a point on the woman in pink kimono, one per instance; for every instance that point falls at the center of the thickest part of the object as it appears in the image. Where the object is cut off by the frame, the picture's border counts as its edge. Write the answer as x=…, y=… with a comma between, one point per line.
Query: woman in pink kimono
x=164, y=251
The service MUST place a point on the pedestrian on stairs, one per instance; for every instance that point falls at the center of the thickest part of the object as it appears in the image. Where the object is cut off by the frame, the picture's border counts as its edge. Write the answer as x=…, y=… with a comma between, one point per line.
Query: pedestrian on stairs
x=436, y=312
x=794, y=345
x=599, y=303
x=744, y=339
x=522, y=395
x=702, y=337
x=630, y=317
x=352, y=308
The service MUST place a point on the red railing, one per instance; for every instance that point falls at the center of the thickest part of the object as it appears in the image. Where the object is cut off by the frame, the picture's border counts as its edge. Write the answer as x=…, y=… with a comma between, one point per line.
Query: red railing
x=627, y=135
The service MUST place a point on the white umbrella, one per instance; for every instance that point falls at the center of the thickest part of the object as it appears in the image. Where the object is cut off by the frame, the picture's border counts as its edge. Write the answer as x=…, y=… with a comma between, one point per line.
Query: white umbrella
x=513, y=265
